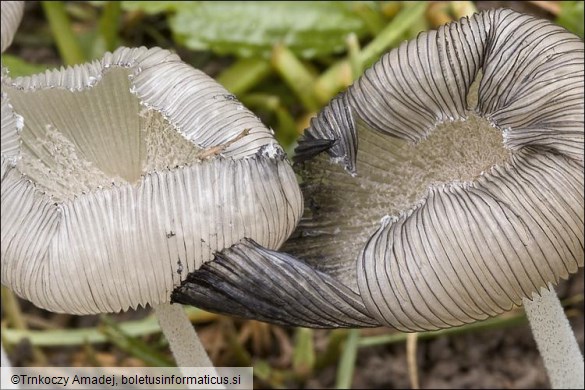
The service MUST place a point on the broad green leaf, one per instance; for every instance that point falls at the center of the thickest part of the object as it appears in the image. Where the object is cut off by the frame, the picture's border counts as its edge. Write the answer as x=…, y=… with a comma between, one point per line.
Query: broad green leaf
x=247, y=29
x=571, y=16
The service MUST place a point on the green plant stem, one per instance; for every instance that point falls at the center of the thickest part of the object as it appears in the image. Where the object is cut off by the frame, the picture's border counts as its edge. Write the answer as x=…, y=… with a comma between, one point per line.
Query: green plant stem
x=347, y=362
x=296, y=76
x=304, y=353
x=244, y=74
x=109, y=23
x=261, y=100
x=67, y=43
x=373, y=19
x=12, y=311
x=335, y=78
x=132, y=345
x=390, y=35
x=334, y=345
x=419, y=25
x=70, y=337
x=353, y=49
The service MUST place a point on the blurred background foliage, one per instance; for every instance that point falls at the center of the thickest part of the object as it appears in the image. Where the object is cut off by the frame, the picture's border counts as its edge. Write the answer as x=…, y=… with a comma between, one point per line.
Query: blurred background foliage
x=284, y=61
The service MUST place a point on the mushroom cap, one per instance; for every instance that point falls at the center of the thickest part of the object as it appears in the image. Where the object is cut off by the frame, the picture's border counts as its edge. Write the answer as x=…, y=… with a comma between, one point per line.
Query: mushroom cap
x=121, y=176
x=432, y=207
x=473, y=244
x=10, y=19
x=11, y=14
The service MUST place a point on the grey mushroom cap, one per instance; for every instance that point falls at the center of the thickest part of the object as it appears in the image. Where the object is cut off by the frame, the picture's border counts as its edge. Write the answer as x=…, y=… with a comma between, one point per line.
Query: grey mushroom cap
x=11, y=14
x=441, y=188
x=122, y=176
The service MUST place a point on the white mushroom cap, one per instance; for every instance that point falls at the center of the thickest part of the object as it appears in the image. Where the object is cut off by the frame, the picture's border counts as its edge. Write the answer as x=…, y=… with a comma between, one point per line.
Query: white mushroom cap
x=11, y=14
x=467, y=144
x=485, y=202
x=480, y=216
x=124, y=175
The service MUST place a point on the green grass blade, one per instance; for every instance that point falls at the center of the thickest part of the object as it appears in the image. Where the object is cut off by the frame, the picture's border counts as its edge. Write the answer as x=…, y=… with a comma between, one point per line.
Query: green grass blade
x=348, y=358
x=67, y=43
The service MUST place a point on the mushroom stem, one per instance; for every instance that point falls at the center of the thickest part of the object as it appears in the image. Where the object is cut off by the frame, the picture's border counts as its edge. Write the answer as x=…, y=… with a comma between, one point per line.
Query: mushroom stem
x=185, y=345
x=555, y=340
